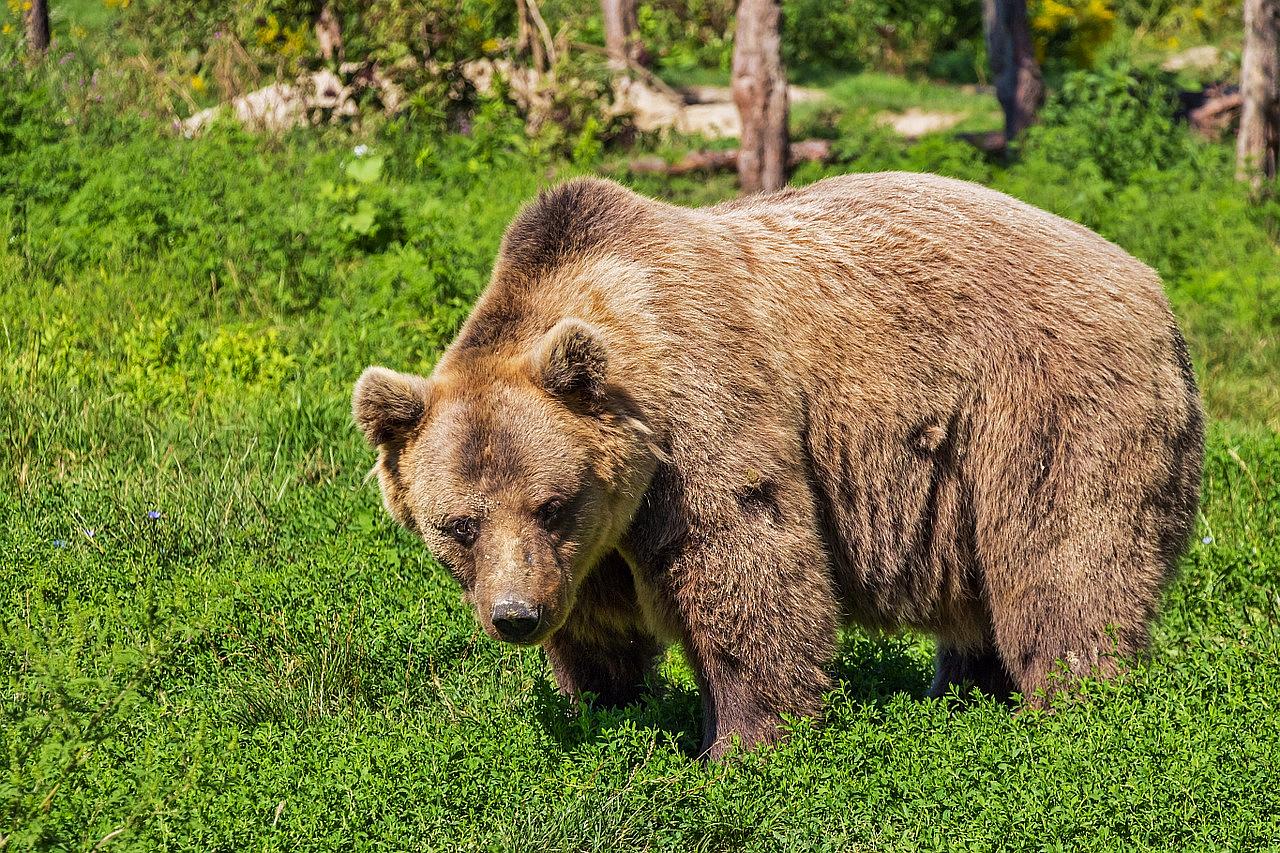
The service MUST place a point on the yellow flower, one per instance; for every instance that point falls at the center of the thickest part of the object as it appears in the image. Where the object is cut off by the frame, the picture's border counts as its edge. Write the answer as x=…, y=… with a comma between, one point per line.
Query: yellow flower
x=197, y=84
x=78, y=32
x=490, y=45
x=295, y=41
x=6, y=29
x=1098, y=10
x=1172, y=43
x=268, y=34
x=26, y=7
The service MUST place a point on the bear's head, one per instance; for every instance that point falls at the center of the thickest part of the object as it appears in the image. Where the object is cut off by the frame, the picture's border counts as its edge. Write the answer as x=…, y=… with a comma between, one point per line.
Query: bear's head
x=519, y=471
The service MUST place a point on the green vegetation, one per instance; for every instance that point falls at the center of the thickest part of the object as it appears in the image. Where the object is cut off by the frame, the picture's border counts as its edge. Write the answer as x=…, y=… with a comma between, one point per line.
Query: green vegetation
x=212, y=637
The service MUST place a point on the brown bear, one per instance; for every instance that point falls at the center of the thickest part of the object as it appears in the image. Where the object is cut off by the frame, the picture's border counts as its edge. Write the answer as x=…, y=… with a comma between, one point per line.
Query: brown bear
x=893, y=400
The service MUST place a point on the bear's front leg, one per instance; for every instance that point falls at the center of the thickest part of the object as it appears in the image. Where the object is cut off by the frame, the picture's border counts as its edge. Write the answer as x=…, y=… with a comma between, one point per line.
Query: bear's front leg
x=760, y=622
x=602, y=648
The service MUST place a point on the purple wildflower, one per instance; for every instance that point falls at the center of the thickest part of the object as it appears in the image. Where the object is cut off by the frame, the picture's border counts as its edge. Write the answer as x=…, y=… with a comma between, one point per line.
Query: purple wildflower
x=153, y=514
x=59, y=543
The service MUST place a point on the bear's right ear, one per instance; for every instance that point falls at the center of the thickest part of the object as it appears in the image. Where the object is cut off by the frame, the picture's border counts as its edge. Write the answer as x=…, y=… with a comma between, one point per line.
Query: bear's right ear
x=387, y=404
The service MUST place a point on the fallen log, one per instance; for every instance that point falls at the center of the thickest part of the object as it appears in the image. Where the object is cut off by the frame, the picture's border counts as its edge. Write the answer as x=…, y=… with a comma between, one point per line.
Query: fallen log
x=805, y=151
x=1216, y=115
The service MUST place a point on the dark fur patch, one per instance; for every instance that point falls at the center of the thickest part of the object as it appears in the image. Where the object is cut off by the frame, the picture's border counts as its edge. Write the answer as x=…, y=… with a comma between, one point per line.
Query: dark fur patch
x=759, y=497
x=489, y=450
x=574, y=219
x=577, y=218
x=493, y=321
x=1184, y=362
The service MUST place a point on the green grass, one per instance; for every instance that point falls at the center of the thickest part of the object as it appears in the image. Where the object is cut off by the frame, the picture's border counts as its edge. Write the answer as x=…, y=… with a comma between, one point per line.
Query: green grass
x=879, y=92
x=270, y=663
x=868, y=93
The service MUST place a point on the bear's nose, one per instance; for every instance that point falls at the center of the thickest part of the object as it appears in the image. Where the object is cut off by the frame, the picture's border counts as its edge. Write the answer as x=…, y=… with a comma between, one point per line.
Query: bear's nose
x=515, y=620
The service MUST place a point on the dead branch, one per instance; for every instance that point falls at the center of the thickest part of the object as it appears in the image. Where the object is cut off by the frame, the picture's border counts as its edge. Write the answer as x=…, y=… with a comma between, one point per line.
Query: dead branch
x=805, y=151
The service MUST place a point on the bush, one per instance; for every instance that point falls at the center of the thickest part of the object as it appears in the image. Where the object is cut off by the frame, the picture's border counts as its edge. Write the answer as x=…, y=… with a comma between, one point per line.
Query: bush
x=1069, y=32
x=1111, y=124
x=894, y=35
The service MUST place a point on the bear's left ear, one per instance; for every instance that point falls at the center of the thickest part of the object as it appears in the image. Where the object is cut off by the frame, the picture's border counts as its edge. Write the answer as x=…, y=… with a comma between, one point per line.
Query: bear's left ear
x=570, y=360
x=387, y=404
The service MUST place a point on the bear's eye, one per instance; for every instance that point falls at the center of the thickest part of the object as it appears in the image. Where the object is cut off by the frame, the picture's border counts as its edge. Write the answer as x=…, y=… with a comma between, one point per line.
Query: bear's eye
x=549, y=513
x=464, y=529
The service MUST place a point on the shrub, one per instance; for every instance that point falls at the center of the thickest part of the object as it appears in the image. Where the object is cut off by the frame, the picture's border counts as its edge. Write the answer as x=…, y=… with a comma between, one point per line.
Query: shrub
x=1071, y=31
x=1112, y=124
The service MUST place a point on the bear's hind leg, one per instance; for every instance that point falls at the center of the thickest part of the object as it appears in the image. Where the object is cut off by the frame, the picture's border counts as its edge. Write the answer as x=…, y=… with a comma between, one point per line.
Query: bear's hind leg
x=1074, y=610
x=1080, y=515
x=966, y=669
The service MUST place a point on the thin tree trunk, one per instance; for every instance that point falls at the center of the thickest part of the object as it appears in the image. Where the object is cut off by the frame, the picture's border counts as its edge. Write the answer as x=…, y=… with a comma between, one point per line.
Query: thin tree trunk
x=760, y=92
x=1258, y=143
x=1019, y=86
x=534, y=36
x=328, y=33
x=37, y=20
x=621, y=39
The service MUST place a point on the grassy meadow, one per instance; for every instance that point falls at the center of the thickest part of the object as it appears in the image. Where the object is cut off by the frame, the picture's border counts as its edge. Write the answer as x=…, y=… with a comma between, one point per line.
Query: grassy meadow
x=213, y=638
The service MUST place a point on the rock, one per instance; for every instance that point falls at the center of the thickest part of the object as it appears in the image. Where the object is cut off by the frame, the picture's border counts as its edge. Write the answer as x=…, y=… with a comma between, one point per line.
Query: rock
x=321, y=96
x=915, y=123
x=707, y=111
x=1199, y=58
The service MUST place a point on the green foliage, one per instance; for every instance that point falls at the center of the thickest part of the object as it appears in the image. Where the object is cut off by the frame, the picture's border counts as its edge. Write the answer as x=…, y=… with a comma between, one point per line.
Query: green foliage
x=212, y=637
x=1113, y=123
x=1070, y=32
x=817, y=37
x=902, y=36
x=682, y=36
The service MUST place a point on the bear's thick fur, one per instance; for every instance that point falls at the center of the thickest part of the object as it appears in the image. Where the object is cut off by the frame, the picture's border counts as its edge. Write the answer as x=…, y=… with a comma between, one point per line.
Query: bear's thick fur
x=893, y=400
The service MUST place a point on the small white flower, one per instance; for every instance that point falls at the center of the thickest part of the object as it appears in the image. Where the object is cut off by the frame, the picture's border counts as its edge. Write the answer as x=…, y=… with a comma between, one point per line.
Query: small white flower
x=360, y=150
x=1208, y=540
x=89, y=531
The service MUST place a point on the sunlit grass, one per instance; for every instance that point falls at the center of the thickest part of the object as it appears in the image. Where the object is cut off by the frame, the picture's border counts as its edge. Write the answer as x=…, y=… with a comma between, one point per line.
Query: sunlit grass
x=213, y=638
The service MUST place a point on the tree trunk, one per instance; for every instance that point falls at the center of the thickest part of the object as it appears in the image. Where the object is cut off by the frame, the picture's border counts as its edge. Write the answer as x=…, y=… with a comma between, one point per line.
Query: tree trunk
x=621, y=39
x=533, y=36
x=760, y=92
x=1019, y=86
x=37, y=20
x=1258, y=144
x=328, y=33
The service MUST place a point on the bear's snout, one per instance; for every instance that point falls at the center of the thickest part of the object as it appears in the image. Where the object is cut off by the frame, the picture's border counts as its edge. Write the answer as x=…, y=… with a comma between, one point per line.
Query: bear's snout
x=516, y=620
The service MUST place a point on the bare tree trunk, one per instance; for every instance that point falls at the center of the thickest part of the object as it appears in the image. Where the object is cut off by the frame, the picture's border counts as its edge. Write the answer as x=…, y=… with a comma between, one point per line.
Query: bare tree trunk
x=760, y=92
x=534, y=36
x=1019, y=86
x=37, y=20
x=328, y=33
x=621, y=39
x=1258, y=144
